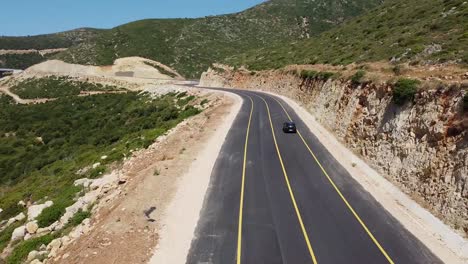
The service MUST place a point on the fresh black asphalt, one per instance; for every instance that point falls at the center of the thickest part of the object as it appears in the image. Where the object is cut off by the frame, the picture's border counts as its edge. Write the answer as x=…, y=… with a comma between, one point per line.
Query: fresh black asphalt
x=271, y=231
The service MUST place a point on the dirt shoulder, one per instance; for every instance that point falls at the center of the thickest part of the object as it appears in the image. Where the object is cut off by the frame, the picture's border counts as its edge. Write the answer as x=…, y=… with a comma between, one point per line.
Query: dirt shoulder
x=127, y=227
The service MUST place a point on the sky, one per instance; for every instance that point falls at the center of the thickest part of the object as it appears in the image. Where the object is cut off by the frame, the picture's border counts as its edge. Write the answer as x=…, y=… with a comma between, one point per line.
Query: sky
x=33, y=17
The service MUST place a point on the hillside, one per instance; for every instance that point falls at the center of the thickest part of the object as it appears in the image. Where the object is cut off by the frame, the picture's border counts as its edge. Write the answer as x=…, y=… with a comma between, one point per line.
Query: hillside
x=419, y=32
x=22, y=52
x=191, y=45
x=48, y=41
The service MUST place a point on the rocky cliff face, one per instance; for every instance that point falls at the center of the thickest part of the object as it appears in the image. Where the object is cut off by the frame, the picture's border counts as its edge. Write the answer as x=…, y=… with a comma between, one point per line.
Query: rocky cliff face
x=422, y=146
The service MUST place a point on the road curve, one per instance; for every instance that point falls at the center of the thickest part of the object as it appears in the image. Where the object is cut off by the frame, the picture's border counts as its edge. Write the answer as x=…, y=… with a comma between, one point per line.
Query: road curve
x=282, y=198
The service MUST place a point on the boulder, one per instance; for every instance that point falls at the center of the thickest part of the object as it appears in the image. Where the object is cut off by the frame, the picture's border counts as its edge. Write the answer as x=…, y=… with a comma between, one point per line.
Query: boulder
x=85, y=182
x=18, y=233
x=22, y=203
x=65, y=240
x=20, y=217
x=95, y=165
x=32, y=227
x=32, y=256
x=54, y=244
x=106, y=179
x=42, y=231
x=27, y=236
x=35, y=261
x=35, y=210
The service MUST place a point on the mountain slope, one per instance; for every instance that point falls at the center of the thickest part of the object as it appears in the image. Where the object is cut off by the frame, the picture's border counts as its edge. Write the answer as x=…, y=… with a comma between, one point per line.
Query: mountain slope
x=13, y=49
x=191, y=45
x=423, y=31
x=48, y=41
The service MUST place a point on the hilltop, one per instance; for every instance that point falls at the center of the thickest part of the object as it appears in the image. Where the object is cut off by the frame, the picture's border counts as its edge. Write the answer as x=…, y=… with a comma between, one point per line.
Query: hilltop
x=190, y=46
x=417, y=32
x=22, y=52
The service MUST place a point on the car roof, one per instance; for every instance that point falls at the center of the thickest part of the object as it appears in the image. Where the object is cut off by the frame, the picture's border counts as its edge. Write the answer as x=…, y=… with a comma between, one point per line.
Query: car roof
x=290, y=123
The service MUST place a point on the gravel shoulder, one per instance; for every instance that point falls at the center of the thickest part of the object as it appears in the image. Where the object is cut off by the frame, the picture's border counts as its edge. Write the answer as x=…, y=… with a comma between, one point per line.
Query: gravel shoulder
x=164, y=189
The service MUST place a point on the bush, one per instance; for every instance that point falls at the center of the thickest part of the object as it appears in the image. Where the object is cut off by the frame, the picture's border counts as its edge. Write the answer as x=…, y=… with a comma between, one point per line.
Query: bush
x=325, y=75
x=404, y=90
x=5, y=235
x=306, y=74
x=204, y=101
x=397, y=69
x=74, y=133
x=22, y=250
x=357, y=77
x=50, y=214
x=78, y=217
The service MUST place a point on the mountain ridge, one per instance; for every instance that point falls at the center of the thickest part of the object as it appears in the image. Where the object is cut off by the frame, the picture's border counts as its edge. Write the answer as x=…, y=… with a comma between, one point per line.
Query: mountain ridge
x=192, y=45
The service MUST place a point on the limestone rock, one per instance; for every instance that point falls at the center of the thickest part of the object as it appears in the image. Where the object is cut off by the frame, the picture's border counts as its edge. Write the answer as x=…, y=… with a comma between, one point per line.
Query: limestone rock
x=32, y=256
x=18, y=233
x=85, y=182
x=53, y=247
x=32, y=227
x=35, y=210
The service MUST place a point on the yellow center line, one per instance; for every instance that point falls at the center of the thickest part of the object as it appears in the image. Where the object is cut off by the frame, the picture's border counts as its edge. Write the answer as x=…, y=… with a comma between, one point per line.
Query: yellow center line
x=241, y=207
x=364, y=226
x=291, y=193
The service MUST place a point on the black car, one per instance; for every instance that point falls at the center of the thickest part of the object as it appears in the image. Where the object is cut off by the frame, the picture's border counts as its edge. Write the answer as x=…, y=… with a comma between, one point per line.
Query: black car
x=289, y=127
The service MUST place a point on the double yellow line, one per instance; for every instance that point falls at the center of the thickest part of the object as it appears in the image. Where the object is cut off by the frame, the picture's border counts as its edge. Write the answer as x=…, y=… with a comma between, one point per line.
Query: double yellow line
x=241, y=207
x=364, y=226
x=291, y=193
x=293, y=199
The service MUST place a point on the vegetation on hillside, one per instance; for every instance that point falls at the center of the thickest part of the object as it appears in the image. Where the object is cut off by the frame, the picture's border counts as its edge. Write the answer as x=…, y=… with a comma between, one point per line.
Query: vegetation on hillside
x=190, y=46
x=49, y=41
x=55, y=87
x=21, y=61
x=404, y=90
x=161, y=69
x=45, y=147
x=424, y=31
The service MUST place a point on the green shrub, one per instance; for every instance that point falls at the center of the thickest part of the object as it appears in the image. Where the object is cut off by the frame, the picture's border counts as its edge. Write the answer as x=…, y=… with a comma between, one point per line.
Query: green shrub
x=5, y=235
x=75, y=132
x=50, y=214
x=22, y=250
x=309, y=74
x=325, y=75
x=404, y=90
x=204, y=101
x=397, y=69
x=162, y=70
x=78, y=217
x=185, y=101
x=182, y=94
x=55, y=87
x=306, y=74
x=357, y=77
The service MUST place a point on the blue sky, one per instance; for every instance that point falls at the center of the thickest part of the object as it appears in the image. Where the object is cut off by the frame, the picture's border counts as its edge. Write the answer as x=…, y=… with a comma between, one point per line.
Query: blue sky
x=32, y=17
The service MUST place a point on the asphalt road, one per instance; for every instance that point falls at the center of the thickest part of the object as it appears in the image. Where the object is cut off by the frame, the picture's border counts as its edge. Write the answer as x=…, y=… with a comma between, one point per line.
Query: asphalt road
x=282, y=198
